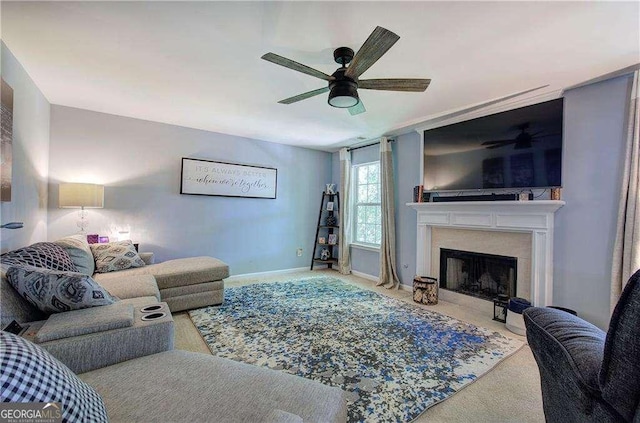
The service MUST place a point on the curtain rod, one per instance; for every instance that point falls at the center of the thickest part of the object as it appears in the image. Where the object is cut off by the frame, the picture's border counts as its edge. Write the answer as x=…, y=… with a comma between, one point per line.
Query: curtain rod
x=367, y=145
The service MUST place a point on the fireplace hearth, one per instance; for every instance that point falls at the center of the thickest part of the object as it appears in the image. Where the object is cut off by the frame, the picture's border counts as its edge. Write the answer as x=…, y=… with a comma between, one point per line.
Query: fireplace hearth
x=477, y=274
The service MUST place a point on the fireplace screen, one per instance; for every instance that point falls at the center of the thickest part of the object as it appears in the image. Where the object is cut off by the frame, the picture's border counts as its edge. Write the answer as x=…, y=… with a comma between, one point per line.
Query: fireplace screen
x=476, y=274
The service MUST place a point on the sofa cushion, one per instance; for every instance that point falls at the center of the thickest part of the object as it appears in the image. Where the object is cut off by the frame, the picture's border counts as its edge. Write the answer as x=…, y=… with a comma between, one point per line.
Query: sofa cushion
x=46, y=255
x=30, y=374
x=82, y=322
x=124, y=285
x=199, y=387
x=78, y=249
x=115, y=256
x=53, y=291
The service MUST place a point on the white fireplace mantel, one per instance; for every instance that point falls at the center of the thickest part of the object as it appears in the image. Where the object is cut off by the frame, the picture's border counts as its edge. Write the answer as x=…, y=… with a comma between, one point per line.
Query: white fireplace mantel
x=534, y=217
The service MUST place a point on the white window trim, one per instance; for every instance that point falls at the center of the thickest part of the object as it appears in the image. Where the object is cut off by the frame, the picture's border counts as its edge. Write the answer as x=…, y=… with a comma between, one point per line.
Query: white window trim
x=367, y=247
x=354, y=217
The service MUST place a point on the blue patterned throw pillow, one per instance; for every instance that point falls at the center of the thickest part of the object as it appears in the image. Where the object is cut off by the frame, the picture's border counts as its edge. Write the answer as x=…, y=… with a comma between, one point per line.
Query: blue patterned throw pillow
x=115, y=256
x=31, y=374
x=53, y=291
x=41, y=254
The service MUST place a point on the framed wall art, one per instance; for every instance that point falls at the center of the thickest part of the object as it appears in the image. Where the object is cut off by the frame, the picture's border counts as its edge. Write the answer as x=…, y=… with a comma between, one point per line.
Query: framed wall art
x=207, y=177
x=6, y=92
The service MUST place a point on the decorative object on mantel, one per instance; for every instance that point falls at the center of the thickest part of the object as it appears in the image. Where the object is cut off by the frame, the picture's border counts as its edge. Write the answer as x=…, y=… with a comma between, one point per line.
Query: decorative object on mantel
x=73, y=195
x=555, y=193
x=93, y=238
x=12, y=225
x=308, y=315
x=208, y=177
x=418, y=190
x=425, y=290
x=420, y=195
x=103, y=239
x=6, y=135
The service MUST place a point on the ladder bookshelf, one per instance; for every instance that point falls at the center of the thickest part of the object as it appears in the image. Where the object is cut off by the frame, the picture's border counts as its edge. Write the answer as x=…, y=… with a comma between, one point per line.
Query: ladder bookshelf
x=327, y=230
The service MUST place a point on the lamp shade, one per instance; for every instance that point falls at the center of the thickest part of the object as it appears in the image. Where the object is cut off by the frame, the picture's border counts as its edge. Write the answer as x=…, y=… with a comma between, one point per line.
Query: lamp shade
x=81, y=195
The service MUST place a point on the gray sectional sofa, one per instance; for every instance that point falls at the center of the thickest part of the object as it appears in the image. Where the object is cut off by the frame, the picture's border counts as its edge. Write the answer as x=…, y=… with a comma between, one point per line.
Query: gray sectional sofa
x=128, y=357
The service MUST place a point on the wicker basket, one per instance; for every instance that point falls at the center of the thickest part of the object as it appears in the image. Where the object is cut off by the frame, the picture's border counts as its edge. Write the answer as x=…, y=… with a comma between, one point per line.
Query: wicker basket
x=425, y=290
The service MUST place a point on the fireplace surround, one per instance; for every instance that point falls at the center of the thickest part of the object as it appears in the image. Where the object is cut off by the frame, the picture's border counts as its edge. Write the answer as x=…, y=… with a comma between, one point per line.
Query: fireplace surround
x=533, y=217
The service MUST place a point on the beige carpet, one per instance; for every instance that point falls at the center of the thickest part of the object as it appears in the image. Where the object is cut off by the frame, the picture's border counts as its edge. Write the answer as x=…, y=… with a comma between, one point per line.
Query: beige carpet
x=508, y=393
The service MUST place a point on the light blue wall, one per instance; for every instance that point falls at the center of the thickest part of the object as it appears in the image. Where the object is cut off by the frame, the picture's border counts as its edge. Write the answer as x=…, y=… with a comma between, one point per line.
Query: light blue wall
x=139, y=164
x=407, y=150
x=28, y=204
x=593, y=155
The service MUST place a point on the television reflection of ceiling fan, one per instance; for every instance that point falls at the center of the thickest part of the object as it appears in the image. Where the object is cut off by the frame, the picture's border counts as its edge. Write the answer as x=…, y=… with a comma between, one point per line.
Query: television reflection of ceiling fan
x=343, y=84
x=522, y=141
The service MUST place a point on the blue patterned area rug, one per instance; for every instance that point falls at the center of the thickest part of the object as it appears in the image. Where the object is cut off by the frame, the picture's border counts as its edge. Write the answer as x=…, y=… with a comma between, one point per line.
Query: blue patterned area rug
x=394, y=359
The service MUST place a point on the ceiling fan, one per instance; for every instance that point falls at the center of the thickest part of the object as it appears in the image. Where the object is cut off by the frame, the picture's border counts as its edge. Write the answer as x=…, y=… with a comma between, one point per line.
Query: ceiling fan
x=521, y=142
x=343, y=84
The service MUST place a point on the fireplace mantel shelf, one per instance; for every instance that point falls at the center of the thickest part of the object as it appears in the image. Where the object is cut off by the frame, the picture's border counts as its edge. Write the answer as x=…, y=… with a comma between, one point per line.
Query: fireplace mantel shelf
x=545, y=206
x=535, y=217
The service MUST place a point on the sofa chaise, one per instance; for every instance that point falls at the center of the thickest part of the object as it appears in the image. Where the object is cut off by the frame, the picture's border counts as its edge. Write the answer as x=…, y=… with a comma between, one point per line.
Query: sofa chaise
x=184, y=283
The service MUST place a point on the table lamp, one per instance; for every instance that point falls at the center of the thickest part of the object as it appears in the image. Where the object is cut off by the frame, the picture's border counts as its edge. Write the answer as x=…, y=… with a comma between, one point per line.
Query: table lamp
x=72, y=195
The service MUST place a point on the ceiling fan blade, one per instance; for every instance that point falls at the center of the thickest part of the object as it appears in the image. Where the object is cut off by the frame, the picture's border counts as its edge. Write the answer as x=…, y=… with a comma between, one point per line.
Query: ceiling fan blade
x=544, y=135
x=376, y=45
x=395, y=84
x=500, y=145
x=497, y=142
x=288, y=63
x=304, y=96
x=357, y=109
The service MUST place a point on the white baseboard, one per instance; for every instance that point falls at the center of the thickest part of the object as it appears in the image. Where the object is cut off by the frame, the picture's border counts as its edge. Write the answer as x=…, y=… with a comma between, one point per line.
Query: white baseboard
x=364, y=275
x=268, y=273
x=401, y=287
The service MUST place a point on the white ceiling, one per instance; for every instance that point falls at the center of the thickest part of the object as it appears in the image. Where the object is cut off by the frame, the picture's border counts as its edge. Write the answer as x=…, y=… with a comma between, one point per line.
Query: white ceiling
x=197, y=64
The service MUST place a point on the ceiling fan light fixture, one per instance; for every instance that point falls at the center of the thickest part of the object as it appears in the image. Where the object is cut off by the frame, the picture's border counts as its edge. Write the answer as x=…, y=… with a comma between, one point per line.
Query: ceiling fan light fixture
x=343, y=95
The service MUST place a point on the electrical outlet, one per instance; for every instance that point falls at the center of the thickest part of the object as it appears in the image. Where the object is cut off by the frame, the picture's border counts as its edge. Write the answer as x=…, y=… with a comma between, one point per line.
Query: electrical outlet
x=299, y=252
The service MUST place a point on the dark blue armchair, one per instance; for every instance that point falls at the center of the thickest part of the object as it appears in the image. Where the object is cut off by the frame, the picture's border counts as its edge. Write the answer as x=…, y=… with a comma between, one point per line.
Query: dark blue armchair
x=588, y=375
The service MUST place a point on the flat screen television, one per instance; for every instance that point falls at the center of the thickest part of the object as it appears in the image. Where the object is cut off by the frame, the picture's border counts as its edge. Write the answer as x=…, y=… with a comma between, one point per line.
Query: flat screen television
x=516, y=149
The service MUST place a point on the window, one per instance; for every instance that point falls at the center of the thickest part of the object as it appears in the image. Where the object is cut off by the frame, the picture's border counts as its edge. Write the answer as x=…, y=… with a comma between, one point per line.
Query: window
x=367, y=225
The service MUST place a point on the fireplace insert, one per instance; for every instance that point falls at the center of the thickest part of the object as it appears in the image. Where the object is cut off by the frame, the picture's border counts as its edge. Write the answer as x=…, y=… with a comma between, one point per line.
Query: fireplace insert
x=478, y=274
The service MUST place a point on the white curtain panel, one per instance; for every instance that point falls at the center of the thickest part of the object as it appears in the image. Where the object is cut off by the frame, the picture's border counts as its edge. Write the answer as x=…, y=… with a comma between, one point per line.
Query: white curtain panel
x=626, y=251
x=388, y=271
x=344, y=238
